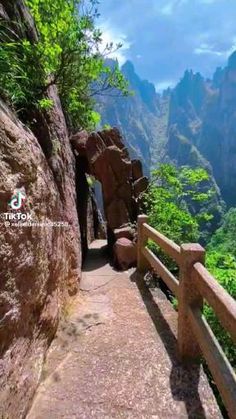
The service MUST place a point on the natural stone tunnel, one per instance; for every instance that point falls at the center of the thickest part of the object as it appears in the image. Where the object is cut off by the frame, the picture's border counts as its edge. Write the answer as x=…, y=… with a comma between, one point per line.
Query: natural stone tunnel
x=104, y=156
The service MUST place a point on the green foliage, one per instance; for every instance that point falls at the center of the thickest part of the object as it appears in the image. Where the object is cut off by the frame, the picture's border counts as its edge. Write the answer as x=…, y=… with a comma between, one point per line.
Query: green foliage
x=221, y=262
x=170, y=199
x=21, y=77
x=169, y=203
x=67, y=53
x=106, y=127
x=224, y=239
x=90, y=180
x=45, y=104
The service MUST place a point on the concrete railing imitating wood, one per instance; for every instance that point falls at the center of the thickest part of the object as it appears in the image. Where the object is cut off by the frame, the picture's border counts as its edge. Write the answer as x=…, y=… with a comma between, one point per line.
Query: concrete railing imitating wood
x=195, y=285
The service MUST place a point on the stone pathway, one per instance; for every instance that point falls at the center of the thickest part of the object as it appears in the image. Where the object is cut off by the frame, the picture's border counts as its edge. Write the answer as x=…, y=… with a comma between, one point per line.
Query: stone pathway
x=115, y=355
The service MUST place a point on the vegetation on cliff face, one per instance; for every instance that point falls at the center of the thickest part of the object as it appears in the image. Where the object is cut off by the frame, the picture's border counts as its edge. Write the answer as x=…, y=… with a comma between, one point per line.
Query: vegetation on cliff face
x=221, y=262
x=175, y=203
x=66, y=53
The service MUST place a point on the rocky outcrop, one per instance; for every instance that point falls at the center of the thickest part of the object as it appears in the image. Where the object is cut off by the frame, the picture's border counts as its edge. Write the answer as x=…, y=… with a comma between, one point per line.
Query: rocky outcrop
x=106, y=158
x=125, y=253
x=127, y=231
x=18, y=17
x=217, y=140
x=204, y=112
x=40, y=263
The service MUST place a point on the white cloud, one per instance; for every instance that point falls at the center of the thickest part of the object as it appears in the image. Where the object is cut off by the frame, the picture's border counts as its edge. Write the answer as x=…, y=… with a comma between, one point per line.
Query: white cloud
x=232, y=49
x=111, y=35
x=209, y=50
x=168, y=9
x=163, y=85
x=208, y=1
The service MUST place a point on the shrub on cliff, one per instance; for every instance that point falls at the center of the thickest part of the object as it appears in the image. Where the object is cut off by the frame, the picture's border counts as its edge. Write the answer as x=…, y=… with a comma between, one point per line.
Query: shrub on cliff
x=221, y=262
x=66, y=53
x=171, y=201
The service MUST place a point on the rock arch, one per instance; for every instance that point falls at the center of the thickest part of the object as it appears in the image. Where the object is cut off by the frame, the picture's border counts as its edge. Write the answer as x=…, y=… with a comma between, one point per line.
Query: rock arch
x=104, y=155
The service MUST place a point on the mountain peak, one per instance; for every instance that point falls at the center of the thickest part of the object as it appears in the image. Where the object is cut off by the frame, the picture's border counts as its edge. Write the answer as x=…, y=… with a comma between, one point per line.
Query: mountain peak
x=128, y=67
x=232, y=61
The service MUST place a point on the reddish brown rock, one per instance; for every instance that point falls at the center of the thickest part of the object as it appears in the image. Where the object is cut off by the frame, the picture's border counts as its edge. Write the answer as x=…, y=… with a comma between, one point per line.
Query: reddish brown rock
x=140, y=186
x=40, y=266
x=127, y=232
x=79, y=142
x=113, y=137
x=125, y=253
x=121, y=168
x=137, y=171
x=125, y=192
x=117, y=213
x=109, y=162
x=95, y=147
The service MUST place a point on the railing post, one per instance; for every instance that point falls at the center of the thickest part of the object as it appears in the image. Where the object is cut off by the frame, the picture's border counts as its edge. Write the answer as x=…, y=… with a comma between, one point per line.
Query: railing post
x=141, y=263
x=189, y=350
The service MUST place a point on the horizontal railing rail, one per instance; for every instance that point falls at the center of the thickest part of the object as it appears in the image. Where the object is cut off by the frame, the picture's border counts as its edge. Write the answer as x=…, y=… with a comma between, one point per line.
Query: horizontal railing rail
x=222, y=303
x=172, y=249
x=170, y=280
x=218, y=364
x=195, y=285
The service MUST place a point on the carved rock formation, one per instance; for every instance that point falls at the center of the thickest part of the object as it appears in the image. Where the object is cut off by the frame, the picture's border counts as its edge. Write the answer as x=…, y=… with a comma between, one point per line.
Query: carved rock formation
x=107, y=159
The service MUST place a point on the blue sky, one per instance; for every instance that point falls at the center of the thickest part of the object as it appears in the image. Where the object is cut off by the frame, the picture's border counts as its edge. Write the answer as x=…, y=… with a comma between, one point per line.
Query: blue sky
x=164, y=37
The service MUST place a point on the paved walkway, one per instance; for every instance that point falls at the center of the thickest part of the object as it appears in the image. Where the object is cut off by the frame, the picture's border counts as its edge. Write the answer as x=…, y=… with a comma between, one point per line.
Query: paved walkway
x=115, y=355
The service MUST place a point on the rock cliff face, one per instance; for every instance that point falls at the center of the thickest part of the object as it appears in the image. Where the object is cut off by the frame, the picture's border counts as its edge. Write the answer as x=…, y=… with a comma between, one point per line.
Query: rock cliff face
x=217, y=141
x=192, y=124
x=40, y=264
x=204, y=112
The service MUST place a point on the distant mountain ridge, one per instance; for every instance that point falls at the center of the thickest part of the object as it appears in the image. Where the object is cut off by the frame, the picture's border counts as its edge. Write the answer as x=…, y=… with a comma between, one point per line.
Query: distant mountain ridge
x=204, y=112
x=136, y=116
x=193, y=124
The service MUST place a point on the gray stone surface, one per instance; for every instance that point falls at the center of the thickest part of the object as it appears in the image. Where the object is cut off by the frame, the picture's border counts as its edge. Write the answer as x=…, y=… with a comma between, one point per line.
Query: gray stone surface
x=116, y=356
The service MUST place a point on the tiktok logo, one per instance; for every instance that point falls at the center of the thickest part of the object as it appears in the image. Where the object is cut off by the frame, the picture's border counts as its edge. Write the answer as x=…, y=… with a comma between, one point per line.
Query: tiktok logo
x=17, y=199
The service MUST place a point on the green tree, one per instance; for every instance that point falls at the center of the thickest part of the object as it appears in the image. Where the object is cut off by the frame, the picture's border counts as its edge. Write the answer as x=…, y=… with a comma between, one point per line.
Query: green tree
x=170, y=205
x=224, y=239
x=170, y=199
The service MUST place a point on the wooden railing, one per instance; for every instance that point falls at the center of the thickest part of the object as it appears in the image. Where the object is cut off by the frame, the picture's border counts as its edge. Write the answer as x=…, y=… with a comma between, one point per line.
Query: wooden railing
x=195, y=285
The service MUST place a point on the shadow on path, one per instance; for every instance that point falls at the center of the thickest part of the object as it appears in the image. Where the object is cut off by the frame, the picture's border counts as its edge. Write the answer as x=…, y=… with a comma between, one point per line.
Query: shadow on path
x=183, y=380
x=96, y=258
